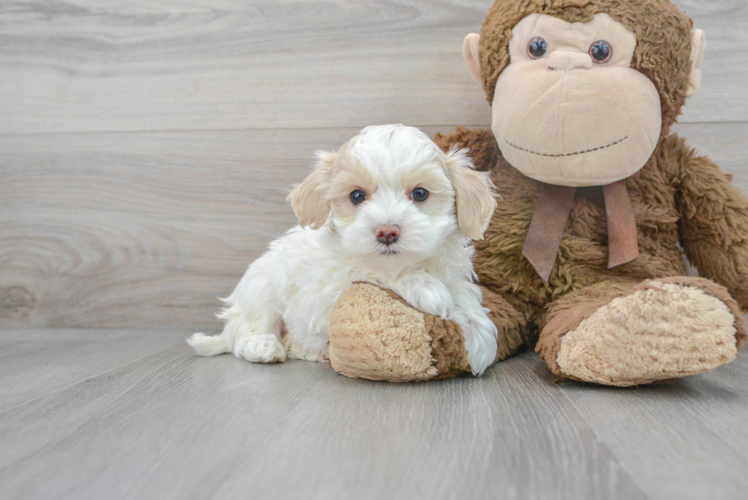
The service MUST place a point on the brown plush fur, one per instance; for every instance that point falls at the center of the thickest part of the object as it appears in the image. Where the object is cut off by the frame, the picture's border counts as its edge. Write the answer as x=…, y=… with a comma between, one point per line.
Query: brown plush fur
x=678, y=198
x=513, y=334
x=713, y=224
x=662, y=32
x=447, y=347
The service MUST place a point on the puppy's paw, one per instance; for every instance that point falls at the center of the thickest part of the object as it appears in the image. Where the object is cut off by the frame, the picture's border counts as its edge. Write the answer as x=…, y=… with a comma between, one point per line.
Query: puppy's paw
x=480, y=339
x=260, y=348
x=311, y=348
x=431, y=297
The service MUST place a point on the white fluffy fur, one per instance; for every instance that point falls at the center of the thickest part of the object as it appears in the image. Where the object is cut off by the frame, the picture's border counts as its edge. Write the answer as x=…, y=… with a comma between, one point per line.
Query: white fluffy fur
x=282, y=306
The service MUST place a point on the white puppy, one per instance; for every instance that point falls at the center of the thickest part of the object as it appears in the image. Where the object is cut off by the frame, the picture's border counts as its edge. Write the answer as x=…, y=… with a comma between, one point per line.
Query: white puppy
x=389, y=208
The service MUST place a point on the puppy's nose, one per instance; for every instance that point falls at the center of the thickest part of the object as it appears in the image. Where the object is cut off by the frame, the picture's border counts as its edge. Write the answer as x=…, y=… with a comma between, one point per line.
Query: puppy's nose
x=387, y=234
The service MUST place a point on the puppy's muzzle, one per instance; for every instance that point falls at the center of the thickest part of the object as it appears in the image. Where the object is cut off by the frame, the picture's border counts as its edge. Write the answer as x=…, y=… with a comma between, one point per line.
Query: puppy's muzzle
x=387, y=234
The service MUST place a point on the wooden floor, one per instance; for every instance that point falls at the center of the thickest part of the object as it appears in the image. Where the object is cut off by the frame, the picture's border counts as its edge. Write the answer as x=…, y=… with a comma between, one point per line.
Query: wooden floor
x=110, y=414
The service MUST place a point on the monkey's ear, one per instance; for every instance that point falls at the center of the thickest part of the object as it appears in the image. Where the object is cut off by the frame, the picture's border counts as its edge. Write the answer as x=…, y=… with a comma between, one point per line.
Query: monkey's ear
x=470, y=53
x=474, y=194
x=309, y=199
x=698, y=44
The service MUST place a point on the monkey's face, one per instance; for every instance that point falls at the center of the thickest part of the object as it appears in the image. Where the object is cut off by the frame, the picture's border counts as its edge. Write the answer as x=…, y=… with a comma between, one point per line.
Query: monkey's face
x=569, y=109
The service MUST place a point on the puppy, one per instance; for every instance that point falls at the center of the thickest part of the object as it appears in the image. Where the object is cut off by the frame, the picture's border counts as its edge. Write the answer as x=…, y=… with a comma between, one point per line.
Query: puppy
x=388, y=208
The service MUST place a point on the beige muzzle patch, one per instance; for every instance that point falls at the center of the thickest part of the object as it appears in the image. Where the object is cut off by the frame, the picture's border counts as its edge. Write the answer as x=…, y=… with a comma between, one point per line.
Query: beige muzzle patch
x=565, y=119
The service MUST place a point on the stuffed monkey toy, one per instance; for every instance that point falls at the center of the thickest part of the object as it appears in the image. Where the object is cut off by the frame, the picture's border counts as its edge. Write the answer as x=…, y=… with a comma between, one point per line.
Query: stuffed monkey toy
x=582, y=259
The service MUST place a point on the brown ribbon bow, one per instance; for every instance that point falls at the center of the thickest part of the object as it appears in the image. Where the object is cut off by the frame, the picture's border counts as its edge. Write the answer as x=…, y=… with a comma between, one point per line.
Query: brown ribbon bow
x=552, y=213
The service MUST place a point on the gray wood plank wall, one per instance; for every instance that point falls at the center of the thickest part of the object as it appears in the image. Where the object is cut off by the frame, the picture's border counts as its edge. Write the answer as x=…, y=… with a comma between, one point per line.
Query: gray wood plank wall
x=146, y=148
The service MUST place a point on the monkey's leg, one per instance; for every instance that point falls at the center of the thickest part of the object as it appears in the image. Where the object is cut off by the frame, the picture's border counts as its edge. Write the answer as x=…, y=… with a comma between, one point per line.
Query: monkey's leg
x=375, y=335
x=626, y=334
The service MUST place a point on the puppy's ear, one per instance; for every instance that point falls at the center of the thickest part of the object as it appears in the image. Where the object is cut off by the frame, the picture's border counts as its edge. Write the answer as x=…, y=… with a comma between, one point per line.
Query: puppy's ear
x=309, y=199
x=474, y=194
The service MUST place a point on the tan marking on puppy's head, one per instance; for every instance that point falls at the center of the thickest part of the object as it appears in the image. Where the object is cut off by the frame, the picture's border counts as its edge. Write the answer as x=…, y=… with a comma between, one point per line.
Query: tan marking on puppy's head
x=309, y=199
x=474, y=194
x=349, y=175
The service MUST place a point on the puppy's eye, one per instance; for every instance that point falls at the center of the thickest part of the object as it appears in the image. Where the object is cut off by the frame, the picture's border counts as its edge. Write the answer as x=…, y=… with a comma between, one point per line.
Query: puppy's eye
x=537, y=47
x=358, y=197
x=419, y=194
x=601, y=51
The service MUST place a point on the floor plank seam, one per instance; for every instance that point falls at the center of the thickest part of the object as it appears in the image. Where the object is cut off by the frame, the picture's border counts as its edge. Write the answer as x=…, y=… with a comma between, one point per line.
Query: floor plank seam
x=446, y=126
x=588, y=427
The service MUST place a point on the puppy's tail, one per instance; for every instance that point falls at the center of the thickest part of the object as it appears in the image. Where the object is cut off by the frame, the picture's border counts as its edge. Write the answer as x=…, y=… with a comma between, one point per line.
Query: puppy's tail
x=206, y=345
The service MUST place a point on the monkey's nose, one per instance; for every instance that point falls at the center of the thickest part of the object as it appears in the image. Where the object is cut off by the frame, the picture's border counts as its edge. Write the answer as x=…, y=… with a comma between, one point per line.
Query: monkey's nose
x=387, y=234
x=561, y=60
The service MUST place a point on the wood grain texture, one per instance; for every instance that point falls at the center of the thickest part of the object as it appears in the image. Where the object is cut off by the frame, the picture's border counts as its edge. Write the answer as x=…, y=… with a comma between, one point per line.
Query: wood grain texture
x=700, y=432
x=146, y=149
x=169, y=424
x=143, y=229
x=139, y=229
x=37, y=362
x=223, y=64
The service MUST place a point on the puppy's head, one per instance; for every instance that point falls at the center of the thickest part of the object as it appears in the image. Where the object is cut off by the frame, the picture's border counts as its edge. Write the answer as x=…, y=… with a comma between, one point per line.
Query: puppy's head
x=391, y=191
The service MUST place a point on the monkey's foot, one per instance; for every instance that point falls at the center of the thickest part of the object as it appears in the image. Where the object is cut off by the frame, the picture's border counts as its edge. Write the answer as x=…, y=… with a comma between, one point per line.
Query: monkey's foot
x=661, y=329
x=375, y=335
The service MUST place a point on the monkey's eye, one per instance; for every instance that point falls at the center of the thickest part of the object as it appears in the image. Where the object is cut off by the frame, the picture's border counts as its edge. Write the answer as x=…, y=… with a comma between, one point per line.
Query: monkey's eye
x=537, y=48
x=419, y=194
x=358, y=197
x=601, y=51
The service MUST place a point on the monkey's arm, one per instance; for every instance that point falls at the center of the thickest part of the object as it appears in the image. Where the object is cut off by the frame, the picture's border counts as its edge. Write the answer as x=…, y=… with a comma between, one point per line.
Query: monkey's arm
x=483, y=148
x=714, y=222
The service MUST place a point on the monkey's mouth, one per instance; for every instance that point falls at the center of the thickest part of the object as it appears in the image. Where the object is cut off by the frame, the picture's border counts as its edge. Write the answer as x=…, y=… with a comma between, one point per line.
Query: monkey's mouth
x=562, y=155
